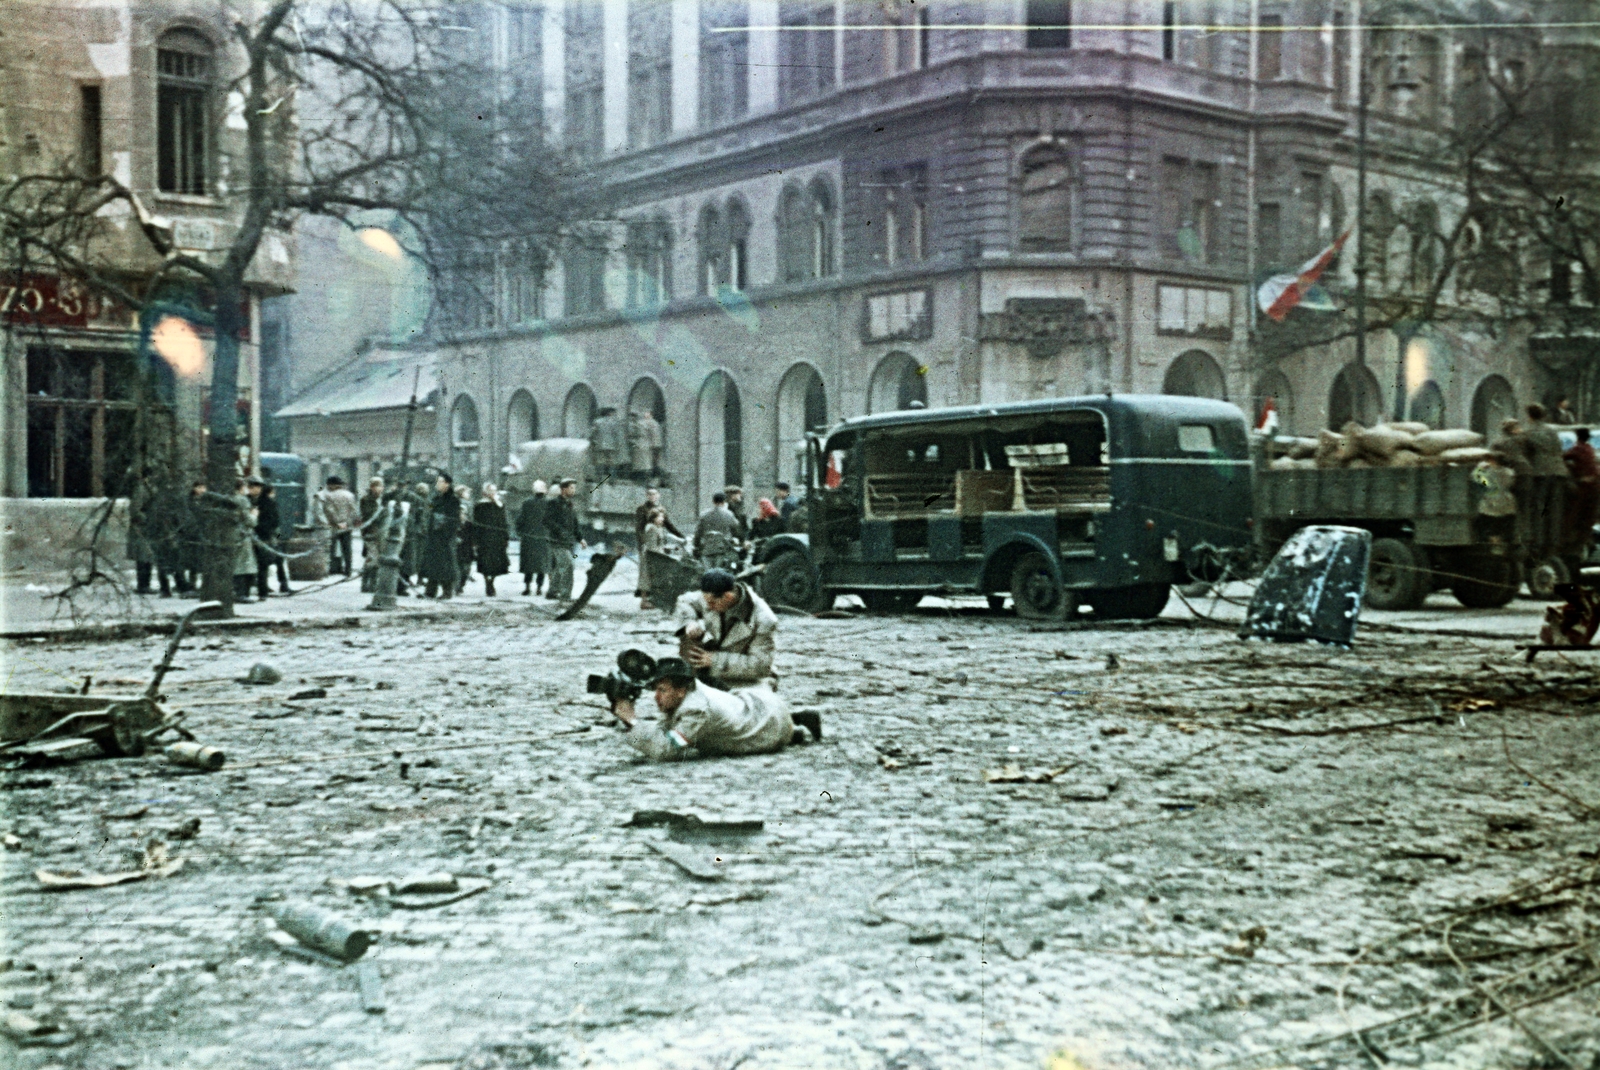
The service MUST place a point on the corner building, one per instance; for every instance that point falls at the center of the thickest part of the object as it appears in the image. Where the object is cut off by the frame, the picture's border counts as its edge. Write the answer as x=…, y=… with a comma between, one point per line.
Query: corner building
x=829, y=209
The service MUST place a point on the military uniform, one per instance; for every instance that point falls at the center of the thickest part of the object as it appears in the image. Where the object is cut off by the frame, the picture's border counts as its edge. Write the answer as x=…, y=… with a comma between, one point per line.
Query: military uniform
x=717, y=539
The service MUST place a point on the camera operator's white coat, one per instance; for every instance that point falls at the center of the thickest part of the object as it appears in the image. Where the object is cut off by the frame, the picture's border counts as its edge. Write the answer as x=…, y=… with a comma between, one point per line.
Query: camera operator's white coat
x=752, y=720
x=741, y=640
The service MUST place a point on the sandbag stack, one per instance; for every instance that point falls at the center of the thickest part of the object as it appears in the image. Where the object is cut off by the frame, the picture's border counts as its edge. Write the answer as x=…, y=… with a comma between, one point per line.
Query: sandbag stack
x=1402, y=444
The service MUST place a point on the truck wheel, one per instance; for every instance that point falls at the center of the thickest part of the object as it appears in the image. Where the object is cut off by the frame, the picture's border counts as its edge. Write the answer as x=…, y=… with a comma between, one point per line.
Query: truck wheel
x=1397, y=575
x=1491, y=583
x=789, y=580
x=1546, y=576
x=1139, y=602
x=1036, y=592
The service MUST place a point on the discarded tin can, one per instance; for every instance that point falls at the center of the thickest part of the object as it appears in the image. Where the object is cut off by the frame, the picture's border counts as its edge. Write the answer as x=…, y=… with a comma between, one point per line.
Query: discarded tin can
x=371, y=982
x=322, y=931
x=196, y=755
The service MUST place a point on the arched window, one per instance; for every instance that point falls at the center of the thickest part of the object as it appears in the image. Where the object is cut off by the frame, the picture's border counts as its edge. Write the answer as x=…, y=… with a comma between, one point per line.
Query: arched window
x=738, y=255
x=1274, y=387
x=649, y=262
x=820, y=202
x=802, y=407
x=646, y=396
x=577, y=415
x=720, y=435
x=184, y=75
x=1427, y=404
x=464, y=440
x=522, y=419
x=1044, y=200
x=1354, y=396
x=898, y=382
x=713, y=240
x=1492, y=402
x=1195, y=374
x=794, y=263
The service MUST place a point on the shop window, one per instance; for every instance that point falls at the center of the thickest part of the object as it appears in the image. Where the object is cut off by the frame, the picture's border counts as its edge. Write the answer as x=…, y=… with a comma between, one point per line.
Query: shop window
x=81, y=423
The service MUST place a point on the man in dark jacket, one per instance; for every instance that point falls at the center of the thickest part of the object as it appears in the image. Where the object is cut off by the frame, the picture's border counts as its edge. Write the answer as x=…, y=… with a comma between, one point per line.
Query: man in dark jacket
x=266, y=530
x=561, y=521
x=533, y=538
x=439, y=545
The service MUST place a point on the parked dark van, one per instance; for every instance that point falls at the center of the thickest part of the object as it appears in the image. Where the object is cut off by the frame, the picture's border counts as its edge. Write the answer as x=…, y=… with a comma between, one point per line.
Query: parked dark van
x=1105, y=500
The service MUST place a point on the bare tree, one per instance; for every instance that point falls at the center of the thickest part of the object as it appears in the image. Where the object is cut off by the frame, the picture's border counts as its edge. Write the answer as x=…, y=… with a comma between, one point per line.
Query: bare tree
x=1505, y=231
x=350, y=107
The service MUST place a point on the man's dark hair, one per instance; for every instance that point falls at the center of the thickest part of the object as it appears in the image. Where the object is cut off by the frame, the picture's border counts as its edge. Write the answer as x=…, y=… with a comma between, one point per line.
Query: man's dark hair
x=719, y=498
x=781, y=485
x=1536, y=411
x=1582, y=433
x=717, y=581
x=335, y=481
x=446, y=477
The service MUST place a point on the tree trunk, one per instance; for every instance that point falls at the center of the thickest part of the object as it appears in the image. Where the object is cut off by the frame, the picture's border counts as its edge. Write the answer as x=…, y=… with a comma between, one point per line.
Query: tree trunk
x=223, y=449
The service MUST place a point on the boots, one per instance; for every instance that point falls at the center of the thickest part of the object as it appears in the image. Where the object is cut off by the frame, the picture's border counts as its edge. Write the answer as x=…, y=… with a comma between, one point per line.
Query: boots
x=527, y=587
x=810, y=720
x=488, y=586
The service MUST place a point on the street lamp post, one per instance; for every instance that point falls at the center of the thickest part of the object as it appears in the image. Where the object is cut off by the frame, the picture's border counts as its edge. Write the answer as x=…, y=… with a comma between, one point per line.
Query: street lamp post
x=396, y=514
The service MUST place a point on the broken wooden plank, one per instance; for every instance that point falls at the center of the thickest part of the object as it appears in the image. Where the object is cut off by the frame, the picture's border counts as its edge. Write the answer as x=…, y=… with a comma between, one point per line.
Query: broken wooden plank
x=686, y=860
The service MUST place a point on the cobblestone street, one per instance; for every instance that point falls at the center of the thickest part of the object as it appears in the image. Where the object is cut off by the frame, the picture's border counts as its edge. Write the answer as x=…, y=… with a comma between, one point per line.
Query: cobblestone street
x=1225, y=849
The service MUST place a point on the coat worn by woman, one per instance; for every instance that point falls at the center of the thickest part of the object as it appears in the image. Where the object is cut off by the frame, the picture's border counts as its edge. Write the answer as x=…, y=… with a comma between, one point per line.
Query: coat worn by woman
x=438, y=564
x=533, y=538
x=491, y=538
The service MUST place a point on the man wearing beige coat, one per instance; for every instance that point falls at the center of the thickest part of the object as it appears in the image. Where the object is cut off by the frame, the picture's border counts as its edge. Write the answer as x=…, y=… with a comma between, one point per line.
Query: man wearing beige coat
x=726, y=632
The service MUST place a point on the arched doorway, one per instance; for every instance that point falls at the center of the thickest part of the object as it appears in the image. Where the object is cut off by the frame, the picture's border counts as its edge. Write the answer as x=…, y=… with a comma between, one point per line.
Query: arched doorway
x=1427, y=405
x=646, y=396
x=1274, y=387
x=802, y=407
x=897, y=383
x=1195, y=374
x=577, y=415
x=1492, y=402
x=464, y=440
x=1354, y=396
x=522, y=419
x=720, y=459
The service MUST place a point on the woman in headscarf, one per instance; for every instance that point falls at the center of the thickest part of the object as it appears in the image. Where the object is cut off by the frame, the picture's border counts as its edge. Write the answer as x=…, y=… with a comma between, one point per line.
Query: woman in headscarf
x=467, y=541
x=439, y=546
x=490, y=536
x=533, y=541
x=768, y=521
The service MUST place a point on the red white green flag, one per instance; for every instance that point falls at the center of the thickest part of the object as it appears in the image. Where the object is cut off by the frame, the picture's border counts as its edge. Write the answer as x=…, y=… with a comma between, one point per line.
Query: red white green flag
x=1282, y=292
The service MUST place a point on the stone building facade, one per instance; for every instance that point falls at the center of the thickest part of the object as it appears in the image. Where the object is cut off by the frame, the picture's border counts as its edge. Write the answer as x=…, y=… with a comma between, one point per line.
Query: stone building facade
x=827, y=209
x=137, y=91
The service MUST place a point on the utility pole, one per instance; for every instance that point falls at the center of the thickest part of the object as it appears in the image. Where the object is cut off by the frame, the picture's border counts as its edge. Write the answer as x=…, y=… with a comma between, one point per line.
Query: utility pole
x=396, y=513
x=1360, y=52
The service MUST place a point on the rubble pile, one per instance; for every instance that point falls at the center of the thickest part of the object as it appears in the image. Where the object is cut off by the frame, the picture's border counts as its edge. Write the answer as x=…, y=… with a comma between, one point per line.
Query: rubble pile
x=1402, y=444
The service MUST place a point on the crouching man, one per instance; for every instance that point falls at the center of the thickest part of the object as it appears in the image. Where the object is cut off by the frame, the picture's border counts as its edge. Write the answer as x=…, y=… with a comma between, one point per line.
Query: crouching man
x=726, y=632
x=698, y=719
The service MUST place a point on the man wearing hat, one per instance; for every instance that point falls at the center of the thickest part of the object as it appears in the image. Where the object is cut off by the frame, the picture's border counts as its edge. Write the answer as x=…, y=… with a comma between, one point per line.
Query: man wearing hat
x=707, y=720
x=726, y=632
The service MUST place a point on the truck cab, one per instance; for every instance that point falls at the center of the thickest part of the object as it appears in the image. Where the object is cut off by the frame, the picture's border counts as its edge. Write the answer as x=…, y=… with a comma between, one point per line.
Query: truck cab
x=1104, y=500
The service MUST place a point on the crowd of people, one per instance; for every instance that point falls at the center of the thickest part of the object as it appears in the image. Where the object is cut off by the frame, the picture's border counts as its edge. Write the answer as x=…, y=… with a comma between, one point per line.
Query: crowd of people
x=1530, y=448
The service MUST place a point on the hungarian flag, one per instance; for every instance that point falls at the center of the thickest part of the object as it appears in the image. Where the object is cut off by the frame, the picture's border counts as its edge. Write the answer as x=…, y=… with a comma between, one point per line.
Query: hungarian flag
x=833, y=476
x=1282, y=292
x=1267, y=422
